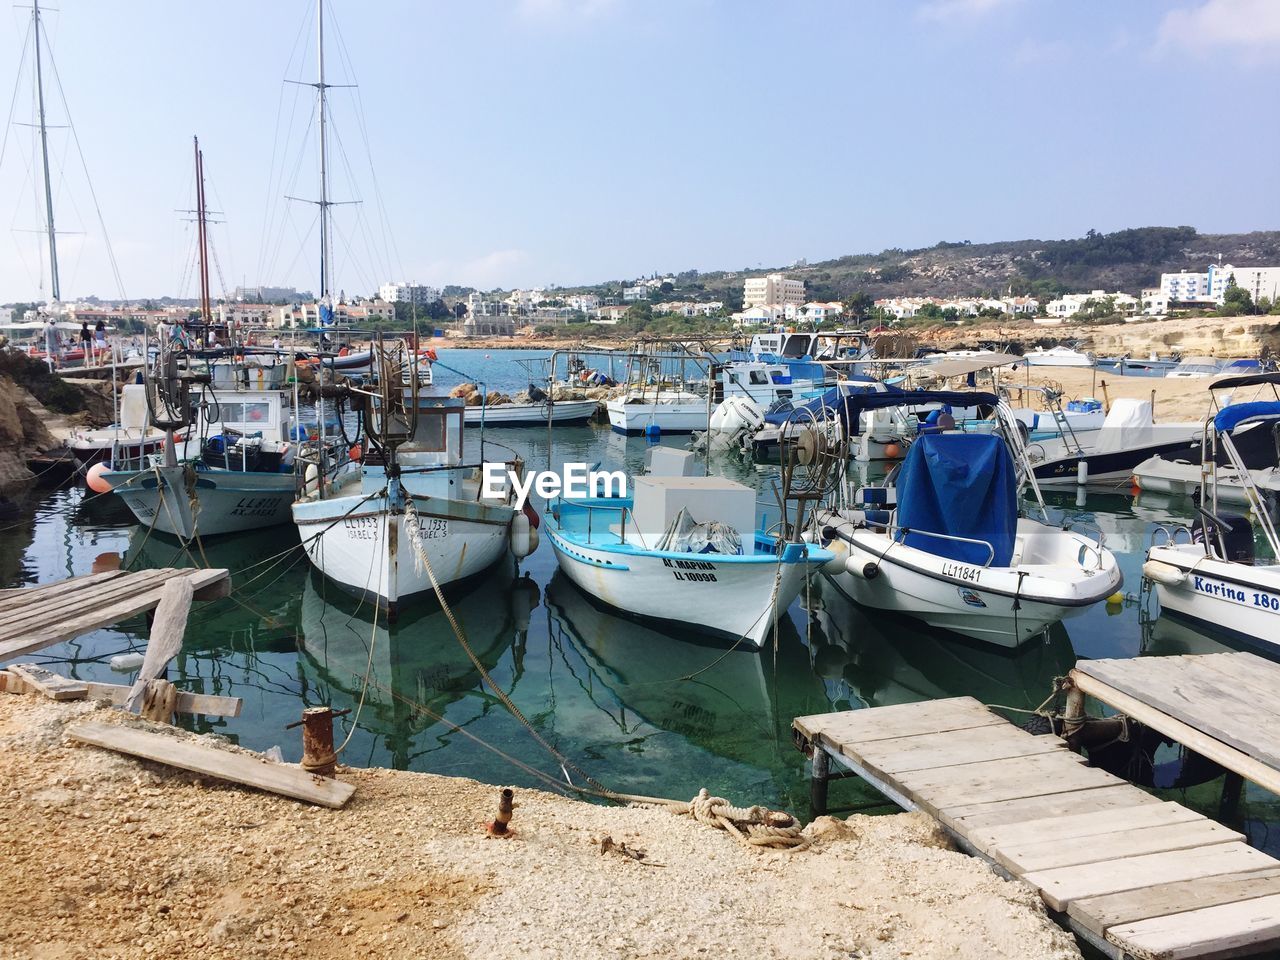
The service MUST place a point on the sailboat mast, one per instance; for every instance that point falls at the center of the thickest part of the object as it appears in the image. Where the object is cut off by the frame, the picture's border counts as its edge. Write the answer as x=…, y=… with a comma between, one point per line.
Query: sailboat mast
x=54, y=287
x=321, y=87
x=202, y=232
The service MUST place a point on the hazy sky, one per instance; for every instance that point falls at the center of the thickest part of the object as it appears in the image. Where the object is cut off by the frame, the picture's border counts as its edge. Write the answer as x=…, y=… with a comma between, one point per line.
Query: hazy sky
x=531, y=142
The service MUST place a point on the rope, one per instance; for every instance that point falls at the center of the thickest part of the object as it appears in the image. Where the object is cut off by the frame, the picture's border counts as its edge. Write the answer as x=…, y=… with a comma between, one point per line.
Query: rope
x=755, y=827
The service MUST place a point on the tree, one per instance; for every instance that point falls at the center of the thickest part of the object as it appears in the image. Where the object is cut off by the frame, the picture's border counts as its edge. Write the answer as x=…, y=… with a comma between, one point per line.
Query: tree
x=1235, y=300
x=859, y=305
x=929, y=311
x=666, y=286
x=639, y=312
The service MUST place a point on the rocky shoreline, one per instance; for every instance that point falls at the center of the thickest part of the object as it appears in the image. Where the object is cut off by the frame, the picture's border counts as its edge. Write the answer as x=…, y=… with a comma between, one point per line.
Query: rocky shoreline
x=111, y=857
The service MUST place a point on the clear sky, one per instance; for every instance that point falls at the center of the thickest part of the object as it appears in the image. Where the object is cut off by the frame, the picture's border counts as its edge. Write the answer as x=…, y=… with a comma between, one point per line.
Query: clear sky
x=534, y=142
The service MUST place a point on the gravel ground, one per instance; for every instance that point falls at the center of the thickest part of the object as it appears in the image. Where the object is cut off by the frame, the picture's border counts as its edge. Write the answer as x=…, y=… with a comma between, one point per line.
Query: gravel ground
x=106, y=856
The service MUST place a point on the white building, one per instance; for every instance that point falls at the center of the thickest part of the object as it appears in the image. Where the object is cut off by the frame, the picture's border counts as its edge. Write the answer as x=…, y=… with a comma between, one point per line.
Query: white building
x=1069, y=304
x=405, y=292
x=1258, y=281
x=246, y=314
x=758, y=315
x=584, y=302
x=1155, y=303
x=773, y=289
x=344, y=314
x=689, y=308
x=609, y=314
x=639, y=291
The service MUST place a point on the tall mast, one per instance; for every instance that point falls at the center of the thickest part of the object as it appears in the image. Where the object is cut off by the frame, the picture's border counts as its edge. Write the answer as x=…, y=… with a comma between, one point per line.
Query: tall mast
x=55, y=289
x=202, y=232
x=321, y=87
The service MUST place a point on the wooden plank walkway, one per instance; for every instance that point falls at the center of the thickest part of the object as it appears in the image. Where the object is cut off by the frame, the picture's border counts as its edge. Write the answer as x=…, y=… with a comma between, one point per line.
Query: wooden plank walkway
x=1133, y=875
x=1224, y=706
x=36, y=617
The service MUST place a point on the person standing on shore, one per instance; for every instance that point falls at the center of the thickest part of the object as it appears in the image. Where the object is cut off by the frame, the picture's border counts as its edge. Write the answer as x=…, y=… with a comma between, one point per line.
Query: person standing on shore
x=86, y=342
x=100, y=339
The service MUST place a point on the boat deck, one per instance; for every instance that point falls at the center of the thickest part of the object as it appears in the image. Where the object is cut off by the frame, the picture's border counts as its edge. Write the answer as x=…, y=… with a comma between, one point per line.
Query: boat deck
x=1131, y=874
x=32, y=618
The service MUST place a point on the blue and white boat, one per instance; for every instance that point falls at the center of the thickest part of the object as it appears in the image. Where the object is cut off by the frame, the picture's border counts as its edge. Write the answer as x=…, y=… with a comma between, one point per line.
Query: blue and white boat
x=683, y=551
x=954, y=550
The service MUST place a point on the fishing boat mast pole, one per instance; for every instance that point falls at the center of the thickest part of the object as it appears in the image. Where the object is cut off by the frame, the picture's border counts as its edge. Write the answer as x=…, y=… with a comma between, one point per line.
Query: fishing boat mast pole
x=322, y=107
x=202, y=233
x=54, y=287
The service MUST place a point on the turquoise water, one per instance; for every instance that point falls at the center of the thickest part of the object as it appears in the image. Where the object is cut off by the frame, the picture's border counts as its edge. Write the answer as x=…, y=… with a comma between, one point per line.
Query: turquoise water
x=603, y=689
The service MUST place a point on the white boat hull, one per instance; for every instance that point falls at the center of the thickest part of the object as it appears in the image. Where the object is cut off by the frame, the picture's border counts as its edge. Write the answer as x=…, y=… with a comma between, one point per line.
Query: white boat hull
x=673, y=417
x=204, y=503
x=1005, y=606
x=358, y=542
x=531, y=414
x=727, y=597
x=1236, y=598
x=1181, y=479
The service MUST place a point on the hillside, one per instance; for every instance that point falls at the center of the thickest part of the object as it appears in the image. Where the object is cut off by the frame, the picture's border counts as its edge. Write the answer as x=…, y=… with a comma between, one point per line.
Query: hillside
x=1127, y=260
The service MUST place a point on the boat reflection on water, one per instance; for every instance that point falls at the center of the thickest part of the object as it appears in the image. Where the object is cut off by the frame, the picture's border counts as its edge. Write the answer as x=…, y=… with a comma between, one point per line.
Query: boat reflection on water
x=418, y=671
x=872, y=658
x=735, y=710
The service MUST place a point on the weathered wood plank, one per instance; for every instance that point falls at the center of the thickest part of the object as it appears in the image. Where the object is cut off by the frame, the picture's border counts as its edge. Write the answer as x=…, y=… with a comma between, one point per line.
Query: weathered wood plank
x=963, y=817
x=168, y=627
x=96, y=618
x=899, y=720
x=40, y=608
x=1073, y=826
x=1096, y=914
x=1241, y=928
x=1196, y=696
x=955, y=747
x=1060, y=886
x=1046, y=854
x=49, y=683
x=281, y=778
x=21, y=596
x=985, y=782
x=1228, y=756
x=200, y=703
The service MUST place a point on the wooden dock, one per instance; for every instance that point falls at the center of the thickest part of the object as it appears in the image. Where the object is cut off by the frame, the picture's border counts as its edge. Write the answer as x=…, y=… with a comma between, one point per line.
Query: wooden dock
x=1131, y=874
x=32, y=618
x=1224, y=706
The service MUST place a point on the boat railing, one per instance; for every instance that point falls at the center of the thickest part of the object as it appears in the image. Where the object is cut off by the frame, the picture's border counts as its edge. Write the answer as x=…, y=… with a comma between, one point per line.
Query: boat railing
x=591, y=508
x=1169, y=537
x=1077, y=523
x=905, y=531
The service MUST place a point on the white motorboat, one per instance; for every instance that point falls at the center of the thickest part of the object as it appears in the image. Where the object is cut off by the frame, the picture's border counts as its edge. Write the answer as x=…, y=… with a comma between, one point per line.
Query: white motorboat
x=1181, y=478
x=1129, y=434
x=765, y=383
x=956, y=554
x=684, y=551
x=1214, y=576
x=1058, y=356
x=532, y=413
x=1195, y=368
x=669, y=411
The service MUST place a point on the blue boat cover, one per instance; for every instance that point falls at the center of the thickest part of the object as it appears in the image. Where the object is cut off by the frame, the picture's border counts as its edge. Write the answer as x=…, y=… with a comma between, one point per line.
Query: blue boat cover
x=850, y=399
x=1232, y=415
x=961, y=485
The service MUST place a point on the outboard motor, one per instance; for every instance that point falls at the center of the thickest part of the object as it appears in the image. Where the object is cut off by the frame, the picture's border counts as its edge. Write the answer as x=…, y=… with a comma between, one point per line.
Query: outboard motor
x=1231, y=532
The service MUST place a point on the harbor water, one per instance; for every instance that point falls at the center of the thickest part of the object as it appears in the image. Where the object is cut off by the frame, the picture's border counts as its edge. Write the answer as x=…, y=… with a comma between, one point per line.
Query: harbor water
x=641, y=709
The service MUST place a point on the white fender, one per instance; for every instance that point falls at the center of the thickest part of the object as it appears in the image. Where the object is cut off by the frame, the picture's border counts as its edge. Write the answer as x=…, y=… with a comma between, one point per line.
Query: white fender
x=837, y=564
x=311, y=480
x=520, y=536
x=1164, y=573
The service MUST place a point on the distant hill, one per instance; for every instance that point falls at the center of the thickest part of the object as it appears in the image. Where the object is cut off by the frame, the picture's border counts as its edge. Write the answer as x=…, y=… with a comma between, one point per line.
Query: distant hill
x=1126, y=260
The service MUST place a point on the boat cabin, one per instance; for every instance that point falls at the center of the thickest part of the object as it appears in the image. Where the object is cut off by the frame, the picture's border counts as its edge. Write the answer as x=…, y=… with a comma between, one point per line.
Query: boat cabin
x=658, y=501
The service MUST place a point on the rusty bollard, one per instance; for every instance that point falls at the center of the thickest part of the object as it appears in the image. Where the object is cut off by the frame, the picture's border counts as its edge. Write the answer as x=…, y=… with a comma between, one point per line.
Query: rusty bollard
x=498, y=826
x=318, y=757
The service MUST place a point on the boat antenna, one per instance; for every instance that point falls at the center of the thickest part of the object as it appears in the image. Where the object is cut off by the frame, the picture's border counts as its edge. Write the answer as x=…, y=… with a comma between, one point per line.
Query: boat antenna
x=54, y=288
x=322, y=108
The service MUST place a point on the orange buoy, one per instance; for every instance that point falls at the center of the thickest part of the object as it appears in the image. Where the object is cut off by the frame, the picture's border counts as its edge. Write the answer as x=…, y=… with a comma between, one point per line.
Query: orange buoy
x=355, y=453
x=892, y=451
x=95, y=480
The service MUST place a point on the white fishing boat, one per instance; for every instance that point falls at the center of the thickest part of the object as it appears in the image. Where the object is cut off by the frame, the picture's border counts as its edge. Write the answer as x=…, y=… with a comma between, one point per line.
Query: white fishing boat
x=684, y=551
x=532, y=413
x=232, y=469
x=642, y=410
x=1058, y=356
x=955, y=553
x=1215, y=576
x=130, y=441
x=412, y=515
x=1181, y=478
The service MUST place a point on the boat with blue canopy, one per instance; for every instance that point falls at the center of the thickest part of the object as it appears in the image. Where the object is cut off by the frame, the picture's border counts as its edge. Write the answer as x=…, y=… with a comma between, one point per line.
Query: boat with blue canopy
x=948, y=542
